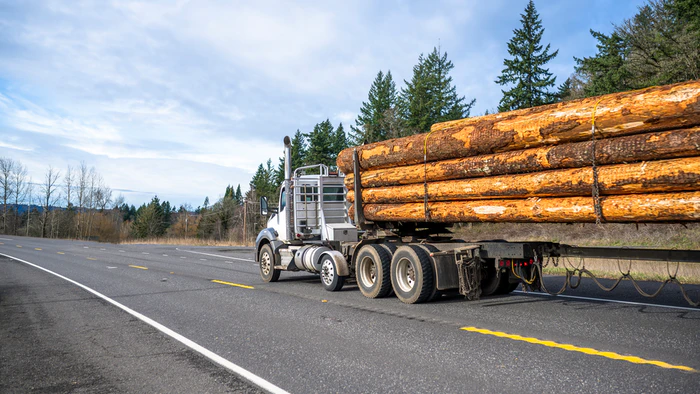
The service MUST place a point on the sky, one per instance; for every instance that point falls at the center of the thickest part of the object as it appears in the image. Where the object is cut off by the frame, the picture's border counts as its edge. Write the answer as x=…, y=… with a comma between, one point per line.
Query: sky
x=181, y=98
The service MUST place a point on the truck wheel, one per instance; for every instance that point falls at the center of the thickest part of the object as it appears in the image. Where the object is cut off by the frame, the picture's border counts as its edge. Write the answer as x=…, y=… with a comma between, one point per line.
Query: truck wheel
x=492, y=283
x=329, y=275
x=373, y=271
x=412, y=274
x=267, y=264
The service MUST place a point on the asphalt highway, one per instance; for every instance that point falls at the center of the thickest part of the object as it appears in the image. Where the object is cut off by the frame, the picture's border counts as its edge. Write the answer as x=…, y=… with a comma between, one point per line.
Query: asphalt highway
x=294, y=336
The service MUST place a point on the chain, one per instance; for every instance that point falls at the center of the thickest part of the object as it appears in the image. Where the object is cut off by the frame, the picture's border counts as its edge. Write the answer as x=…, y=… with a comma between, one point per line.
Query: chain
x=580, y=270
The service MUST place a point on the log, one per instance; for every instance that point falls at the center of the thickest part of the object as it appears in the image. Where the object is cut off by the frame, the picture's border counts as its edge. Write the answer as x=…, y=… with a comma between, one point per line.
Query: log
x=647, y=110
x=665, y=207
x=641, y=178
x=641, y=147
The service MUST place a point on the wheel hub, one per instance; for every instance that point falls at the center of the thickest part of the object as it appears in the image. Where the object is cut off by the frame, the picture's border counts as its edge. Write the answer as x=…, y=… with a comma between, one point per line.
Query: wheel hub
x=265, y=265
x=327, y=272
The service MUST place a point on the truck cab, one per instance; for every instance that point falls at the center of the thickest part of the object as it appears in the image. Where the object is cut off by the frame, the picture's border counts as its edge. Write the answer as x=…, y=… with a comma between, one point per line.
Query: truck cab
x=305, y=230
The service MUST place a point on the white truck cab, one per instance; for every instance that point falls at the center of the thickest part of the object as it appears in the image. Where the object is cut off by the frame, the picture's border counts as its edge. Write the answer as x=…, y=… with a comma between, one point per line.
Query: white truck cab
x=306, y=228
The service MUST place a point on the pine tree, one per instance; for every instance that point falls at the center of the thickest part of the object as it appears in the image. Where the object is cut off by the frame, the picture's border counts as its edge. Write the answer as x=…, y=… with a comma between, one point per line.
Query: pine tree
x=321, y=144
x=564, y=91
x=605, y=72
x=149, y=220
x=229, y=192
x=238, y=197
x=430, y=96
x=370, y=123
x=529, y=81
x=298, y=150
x=264, y=182
x=338, y=143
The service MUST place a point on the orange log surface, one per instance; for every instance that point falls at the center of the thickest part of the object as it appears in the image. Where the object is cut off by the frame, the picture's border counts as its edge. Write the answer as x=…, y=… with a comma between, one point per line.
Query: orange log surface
x=652, y=109
x=629, y=149
x=645, y=177
x=665, y=207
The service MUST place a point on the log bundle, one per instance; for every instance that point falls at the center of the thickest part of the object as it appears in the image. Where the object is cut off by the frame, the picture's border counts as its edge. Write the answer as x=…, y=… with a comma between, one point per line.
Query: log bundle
x=542, y=164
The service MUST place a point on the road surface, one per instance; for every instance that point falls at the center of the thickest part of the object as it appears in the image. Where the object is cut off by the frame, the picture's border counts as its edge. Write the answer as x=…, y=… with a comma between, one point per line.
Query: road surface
x=294, y=336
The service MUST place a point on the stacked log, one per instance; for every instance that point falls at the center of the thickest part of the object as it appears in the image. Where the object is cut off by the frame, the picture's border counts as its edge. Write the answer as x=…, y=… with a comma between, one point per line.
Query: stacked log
x=537, y=164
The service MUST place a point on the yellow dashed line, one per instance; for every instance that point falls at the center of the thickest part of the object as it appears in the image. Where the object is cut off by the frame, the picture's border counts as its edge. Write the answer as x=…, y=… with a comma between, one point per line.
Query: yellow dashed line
x=37, y=248
x=19, y=246
x=232, y=284
x=60, y=252
x=138, y=266
x=572, y=348
x=91, y=258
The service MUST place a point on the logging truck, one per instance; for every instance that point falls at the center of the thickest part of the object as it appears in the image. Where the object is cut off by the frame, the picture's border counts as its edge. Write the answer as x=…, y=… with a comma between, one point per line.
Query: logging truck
x=311, y=230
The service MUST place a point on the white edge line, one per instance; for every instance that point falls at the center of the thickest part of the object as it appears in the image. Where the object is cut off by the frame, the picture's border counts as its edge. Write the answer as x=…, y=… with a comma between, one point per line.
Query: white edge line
x=245, y=374
x=607, y=300
x=215, y=255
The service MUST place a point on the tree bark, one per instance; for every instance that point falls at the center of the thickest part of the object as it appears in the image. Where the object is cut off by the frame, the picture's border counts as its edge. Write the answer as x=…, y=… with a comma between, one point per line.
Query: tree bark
x=665, y=207
x=629, y=149
x=648, y=110
x=639, y=178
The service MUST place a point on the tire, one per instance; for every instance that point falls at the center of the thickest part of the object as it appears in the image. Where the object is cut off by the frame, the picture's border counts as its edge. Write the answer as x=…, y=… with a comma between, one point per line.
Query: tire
x=492, y=283
x=373, y=267
x=412, y=274
x=267, y=264
x=329, y=275
x=431, y=249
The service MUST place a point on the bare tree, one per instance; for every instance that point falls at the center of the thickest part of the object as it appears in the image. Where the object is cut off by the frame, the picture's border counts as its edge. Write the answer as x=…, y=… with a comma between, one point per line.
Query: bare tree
x=30, y=197
x=68, y=181
x=83, y=177
x=19, y=179
x=49, y=196
x=6, y=187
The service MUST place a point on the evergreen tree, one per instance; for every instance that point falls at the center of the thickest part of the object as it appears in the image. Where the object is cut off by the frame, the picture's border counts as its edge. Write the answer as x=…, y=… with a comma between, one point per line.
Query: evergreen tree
x=149, y=220
x=529, y=81
x=264, y=182
x=370, y=123
x=298, y=150
x=564, y=91
x=238, y=196
x=321, y=144
x=430, y=96
x=338, y=143
x=206, y=202
x=229, y=192
x=605, y=72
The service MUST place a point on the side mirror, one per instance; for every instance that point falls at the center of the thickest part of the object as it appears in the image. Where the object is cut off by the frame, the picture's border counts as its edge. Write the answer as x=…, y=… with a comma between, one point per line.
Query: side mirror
x=263, y=206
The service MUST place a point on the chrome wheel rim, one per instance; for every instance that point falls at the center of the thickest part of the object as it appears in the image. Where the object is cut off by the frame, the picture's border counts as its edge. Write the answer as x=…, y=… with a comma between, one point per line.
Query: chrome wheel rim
x=368, y=272
x=405, y=275
x=327, y=272
x=265, y=265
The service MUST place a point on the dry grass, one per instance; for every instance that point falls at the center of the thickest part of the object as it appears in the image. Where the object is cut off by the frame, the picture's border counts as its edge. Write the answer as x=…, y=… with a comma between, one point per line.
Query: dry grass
x=180, y=241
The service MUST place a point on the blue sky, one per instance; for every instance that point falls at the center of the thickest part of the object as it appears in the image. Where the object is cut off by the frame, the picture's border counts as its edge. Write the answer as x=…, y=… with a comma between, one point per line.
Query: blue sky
x=181, y=98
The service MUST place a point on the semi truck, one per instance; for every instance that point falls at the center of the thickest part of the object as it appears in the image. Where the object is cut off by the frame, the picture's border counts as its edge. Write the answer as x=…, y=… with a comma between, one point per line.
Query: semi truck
x=311, y=230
